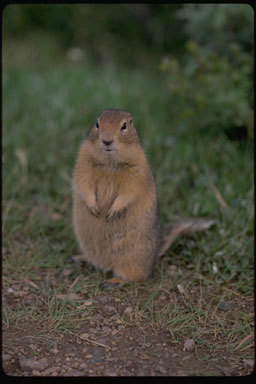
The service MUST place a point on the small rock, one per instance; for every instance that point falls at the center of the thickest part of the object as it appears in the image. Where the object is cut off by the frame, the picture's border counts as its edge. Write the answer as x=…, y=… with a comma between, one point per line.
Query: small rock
x=19, y=293
x=106, y=330
x=189, y=345
x=110, y=373
x=225, y=370
x=180, y=373
x=69, y=297
x=162, y=370
x=66, y=272
x=87, y=303
x=145, y=345
x=181, y=289
x=249, y=362
x=43, y=360
x=128, y=311
x=84, y=335
x=109, y=309
x=36, y=373
x=97, y=356
x=215, y=268
x=50, y=370
x=29, y=365
x=171, y=270
x=83, y=366
x=54, y=351
x=6, y=357
x=33, y=347
x=73, y=372
x=103, y=299
x=225, y=305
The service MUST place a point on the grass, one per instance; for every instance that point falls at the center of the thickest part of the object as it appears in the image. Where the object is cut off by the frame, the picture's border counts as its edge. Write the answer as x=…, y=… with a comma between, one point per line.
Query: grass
x=41, y=137
x=46, y=113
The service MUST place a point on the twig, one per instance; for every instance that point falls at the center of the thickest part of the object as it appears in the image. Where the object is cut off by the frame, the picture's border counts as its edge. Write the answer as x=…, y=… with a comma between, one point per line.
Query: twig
x=29, y=282
x=95, y=342
x=89, y=341
x=248, y=346
x=74, y=283
x=219, y=197
x=237, y=294
x=246, y=338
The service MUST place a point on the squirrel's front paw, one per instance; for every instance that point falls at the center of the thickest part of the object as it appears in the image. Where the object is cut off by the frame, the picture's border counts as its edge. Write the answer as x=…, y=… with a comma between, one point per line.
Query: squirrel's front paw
x=93, y=210
x=114, y=214
x=111, y=214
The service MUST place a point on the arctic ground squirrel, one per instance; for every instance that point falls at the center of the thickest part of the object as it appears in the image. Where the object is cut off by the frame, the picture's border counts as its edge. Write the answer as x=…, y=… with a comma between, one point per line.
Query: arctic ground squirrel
x=115, y=206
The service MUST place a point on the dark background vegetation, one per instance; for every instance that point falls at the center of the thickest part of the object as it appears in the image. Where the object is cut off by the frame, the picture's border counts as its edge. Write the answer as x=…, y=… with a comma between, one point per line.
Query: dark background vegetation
x=201, y=49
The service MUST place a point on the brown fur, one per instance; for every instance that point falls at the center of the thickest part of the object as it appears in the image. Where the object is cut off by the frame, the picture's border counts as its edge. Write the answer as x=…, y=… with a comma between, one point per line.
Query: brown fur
x=115, y=214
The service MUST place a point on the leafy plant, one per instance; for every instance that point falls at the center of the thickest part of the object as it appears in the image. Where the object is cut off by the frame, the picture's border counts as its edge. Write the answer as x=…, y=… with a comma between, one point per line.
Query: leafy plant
x=213, y=80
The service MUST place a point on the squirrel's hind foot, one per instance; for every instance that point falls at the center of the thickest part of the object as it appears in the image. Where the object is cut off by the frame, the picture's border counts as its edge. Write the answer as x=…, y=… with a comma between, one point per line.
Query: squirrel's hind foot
x=113, y=283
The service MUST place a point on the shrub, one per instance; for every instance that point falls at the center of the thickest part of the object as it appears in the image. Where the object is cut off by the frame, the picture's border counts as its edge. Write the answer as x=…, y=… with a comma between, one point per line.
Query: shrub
x=213, y=80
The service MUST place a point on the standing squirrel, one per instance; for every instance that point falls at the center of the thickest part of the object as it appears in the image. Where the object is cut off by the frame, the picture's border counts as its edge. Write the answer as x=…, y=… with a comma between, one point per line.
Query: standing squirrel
x=115, y=209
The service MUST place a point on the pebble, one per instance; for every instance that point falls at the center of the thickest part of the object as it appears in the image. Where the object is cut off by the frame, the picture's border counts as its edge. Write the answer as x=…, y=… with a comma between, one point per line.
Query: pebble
x=249, y=362
x=109, y=309
x=103, y=299
x=110, y=373
x=225, y=306
x=97, y=356
x=50, y=370
x=73, y=372
x=33, y=347
x=180, y=373
x=128, y=311
x=36, y=373
x=106, y=330
x=162, y=370
x=189, y=345
x=6, y=357
x=29, y=365
x=66, y=272
x=54, y=351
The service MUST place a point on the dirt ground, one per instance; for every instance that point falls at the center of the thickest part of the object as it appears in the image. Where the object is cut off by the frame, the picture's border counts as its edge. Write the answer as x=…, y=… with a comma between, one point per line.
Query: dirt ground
x=114, y=338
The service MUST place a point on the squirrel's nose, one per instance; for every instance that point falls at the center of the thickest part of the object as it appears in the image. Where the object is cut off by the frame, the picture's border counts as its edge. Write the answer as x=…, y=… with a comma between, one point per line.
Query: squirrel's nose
x=107, y=142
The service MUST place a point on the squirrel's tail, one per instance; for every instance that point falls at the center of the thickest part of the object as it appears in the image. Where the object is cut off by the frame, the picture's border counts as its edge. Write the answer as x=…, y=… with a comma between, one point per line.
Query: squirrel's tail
x=186, y=227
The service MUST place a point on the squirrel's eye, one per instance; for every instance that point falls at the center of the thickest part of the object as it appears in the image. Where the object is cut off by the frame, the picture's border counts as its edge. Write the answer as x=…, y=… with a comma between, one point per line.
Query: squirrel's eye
x=97, y=125
x=123, y=126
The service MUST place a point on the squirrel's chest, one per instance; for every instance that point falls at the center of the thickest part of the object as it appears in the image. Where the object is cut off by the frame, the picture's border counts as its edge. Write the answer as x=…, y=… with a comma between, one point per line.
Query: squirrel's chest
x=106, y=191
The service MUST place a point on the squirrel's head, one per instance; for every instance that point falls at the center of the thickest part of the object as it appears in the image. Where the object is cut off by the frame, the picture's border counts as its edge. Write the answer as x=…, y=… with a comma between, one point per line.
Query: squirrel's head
x=113, y=134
